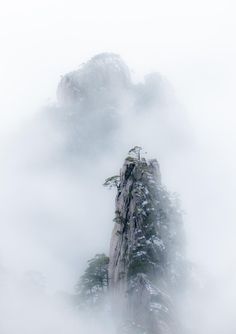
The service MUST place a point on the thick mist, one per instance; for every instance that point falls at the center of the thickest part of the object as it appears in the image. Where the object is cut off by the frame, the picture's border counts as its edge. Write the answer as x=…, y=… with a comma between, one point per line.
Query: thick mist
x=54, y=212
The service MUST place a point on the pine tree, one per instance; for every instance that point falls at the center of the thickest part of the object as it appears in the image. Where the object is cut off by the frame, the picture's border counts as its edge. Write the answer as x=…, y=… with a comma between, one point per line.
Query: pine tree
x=112, y=181
x=93, y=284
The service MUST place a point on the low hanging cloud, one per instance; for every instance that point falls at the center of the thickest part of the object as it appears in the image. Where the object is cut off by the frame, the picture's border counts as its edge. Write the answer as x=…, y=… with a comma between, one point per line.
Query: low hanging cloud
x=55, y=214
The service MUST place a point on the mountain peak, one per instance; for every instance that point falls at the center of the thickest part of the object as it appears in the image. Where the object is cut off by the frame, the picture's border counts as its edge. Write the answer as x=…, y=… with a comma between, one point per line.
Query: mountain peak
x=105, y=72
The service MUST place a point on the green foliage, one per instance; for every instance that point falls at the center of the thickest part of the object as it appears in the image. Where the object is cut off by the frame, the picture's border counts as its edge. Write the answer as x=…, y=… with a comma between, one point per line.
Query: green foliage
x=113, y=181
x=138, y=266
x=94, y=282
x=130, y=159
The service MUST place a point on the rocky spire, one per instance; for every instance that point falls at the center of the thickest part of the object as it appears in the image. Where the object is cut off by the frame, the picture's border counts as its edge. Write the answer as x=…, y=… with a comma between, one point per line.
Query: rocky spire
x=146, y=251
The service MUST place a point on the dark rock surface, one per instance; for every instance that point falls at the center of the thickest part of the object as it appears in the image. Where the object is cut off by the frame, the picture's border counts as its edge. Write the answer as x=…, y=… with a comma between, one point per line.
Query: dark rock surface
x=146, y=251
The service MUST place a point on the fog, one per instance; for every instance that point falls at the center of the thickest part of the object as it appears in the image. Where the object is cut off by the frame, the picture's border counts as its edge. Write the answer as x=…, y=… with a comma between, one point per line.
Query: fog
x=55, y=214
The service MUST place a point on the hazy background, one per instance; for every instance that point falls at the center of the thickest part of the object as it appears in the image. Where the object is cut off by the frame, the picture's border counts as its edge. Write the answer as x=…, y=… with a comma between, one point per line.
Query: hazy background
x=193, y=45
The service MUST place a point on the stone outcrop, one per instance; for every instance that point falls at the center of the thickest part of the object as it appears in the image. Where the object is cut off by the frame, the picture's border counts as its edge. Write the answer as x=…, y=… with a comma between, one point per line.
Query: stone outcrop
x=146, y=251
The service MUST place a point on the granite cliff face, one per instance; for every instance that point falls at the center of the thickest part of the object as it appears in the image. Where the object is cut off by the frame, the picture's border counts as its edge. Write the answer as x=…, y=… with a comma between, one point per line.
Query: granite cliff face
x=146, y=251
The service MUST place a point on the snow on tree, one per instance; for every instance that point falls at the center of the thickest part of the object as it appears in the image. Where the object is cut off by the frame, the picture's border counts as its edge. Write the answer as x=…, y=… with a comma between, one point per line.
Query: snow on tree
x=93, y=284
x=147, y=250
x=146, y=262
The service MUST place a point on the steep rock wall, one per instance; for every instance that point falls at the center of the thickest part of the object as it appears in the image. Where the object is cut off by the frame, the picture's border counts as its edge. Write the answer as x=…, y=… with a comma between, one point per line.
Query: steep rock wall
x=146, y=253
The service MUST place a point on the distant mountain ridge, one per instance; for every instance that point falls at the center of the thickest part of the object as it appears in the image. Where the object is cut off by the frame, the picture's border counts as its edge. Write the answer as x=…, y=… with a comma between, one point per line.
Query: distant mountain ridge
x=99, y=101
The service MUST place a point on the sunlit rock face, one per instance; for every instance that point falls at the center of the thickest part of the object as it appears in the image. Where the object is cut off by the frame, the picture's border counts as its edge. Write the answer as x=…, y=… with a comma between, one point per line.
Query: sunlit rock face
x=146, y=252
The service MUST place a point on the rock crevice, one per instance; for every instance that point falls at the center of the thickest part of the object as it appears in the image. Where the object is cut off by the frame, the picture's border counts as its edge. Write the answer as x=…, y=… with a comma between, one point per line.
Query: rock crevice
x=146, y=251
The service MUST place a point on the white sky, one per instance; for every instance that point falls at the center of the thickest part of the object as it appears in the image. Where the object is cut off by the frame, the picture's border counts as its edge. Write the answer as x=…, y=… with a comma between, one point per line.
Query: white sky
x=190, y=42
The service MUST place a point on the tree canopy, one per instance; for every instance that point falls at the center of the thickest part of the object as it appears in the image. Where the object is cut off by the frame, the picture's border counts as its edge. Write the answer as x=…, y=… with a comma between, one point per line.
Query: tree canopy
x=93, y=284
x=112, y=181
